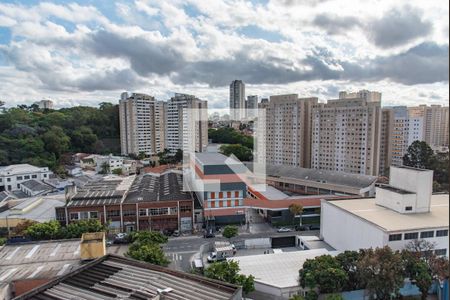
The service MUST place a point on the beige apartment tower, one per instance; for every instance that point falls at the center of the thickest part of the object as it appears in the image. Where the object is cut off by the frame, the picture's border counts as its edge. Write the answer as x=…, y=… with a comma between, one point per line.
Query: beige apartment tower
x=346, y=135
x=142, y=124
x=288, y=134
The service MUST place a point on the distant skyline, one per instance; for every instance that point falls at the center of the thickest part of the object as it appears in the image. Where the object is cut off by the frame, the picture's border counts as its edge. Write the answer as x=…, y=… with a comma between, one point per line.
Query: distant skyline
x=86, y=52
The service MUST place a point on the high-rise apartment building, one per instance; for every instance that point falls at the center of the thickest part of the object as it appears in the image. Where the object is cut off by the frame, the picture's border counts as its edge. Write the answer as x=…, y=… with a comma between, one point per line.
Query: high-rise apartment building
x=251, y=106
x=237, y=100
x=142, y=124
x=288, y=137
x=45, y=104
x=402, y=125
x=346, y=135
x=187, y=129
x=369, y=96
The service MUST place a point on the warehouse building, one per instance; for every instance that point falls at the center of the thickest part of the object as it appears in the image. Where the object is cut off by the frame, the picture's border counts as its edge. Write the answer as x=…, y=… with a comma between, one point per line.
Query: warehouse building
x=118, y=277
x=403, y=211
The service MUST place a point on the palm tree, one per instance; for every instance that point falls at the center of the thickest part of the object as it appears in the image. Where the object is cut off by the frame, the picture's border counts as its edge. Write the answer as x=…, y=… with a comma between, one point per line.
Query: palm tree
x=296, y=210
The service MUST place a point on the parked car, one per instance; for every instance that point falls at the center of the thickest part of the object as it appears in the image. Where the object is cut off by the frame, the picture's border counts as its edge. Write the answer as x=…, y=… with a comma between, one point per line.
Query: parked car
x=176, y=233
x=284, y=229
x=121, y=238
x=17, y=239
x=209, y=233
x=314, y=227
x=301, y=228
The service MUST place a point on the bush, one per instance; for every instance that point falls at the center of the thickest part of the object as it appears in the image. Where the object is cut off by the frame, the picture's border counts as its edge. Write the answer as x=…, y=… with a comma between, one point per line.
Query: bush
x=2, y=241
x=148, y=237
x=230, y=231
x=148, y=252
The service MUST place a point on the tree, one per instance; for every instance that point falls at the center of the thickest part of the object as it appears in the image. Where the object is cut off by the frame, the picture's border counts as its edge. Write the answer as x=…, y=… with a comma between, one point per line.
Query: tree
x=243, y=153
x=230, y=231
x=22, y=227
x=296, y=210
x=141, y=155
x=148, y=252
x=76, y=229
x=349, y=261
x=421, y=278
x=178, y=156
x=323, y=273
x=44, y=231
x=228, y=271
x=56, y=141
x=381, y=272
x=117, y=171
x=419, y=155
x=148, y=237
x=105, y=168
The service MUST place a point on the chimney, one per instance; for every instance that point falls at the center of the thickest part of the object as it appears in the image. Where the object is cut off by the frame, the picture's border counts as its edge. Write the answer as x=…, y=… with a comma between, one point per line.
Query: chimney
x=92, y=245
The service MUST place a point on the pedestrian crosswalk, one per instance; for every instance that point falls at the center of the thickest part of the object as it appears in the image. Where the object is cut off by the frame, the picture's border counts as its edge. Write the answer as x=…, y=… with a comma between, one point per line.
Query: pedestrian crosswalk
x=174, y=256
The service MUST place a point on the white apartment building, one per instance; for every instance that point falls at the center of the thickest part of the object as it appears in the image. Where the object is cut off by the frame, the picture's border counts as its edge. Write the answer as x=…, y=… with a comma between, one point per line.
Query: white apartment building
x=142, y=124
x=45, y=104
x=403, y=211
x=12, y=176
x=346, y=136
x=237, y=100
x=187, y=129
x=288, y=133
x=113, y=162
x=369, y=96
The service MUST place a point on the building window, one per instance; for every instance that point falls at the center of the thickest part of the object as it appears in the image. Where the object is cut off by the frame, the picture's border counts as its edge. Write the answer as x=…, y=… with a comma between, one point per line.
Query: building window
x=27, y=176
x=408, y=208
x=440, y=252
x=411, y=236
x=442, y=232
x=142, y=212
x=74, y=216
x=128, y=213
x=113, y=213
x=173, y=210
x=45, y=175
x=8, y=179
x=395, y=237
x=426, y=234
x=19, y=177
x=185, y=208
x=93, y=215
x=84, y=215
x=34, y=176
x=60, y=215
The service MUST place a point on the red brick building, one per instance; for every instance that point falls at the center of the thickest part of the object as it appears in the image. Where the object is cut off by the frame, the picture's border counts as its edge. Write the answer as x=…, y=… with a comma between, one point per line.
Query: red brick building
x=150, y=201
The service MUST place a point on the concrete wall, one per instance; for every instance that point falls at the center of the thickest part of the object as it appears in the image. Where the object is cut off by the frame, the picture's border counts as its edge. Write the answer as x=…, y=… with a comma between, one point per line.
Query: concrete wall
x=257, y=243
x=344, y=231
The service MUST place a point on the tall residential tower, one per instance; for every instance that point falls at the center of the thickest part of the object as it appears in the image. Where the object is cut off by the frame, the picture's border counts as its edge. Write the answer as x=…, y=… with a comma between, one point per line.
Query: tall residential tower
x=237, y=100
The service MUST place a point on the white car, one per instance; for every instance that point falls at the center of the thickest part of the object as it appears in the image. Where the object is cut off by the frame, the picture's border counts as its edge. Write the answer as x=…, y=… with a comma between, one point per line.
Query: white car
x=284, y=229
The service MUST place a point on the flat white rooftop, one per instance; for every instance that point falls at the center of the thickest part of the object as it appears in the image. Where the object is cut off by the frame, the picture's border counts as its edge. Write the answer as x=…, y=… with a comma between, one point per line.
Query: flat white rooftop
x=390, y=220
x=277, y=269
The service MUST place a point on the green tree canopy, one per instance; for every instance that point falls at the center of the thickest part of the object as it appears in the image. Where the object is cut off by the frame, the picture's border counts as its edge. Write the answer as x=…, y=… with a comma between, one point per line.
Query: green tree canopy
x=243, y=153
x=230, y=231
x=419, y=155
x=148, y=237
x=381, y=272
x=148, y=252
x=228, y=271
x=44, y=231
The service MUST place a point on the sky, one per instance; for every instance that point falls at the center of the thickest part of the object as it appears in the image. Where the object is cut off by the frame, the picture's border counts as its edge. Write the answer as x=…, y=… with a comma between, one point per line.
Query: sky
x=86, y=52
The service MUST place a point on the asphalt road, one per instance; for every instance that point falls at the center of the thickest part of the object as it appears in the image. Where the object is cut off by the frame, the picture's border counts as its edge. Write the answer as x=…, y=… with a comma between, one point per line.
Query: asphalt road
x=182, y=250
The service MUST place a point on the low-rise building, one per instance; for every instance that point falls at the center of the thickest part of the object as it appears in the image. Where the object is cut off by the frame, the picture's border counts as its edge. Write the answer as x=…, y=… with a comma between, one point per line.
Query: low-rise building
x=25, y=266
x=403, y=211
x=12, y=176
x=118, y=277
x=39, y=209
x=149, y=201
x=35, y=187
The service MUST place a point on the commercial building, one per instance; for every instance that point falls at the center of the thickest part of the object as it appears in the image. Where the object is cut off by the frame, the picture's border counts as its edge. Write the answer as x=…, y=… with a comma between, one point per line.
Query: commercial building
x=12, y=176
x=35, y=187
x=149, y=201
x=187, y=123
x=142, y=124
x=237, y=100
x=288, y=137
x=118, y=277
x=346, y=135
x=403, y=211
x=305, y=181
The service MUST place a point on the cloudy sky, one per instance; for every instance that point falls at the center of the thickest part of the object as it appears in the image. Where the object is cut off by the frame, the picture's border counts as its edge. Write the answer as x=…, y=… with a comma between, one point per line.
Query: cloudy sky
x=86, y=52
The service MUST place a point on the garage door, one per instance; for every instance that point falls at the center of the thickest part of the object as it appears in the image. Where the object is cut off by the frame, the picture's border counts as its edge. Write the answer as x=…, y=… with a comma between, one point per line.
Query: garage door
x=283, y=241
